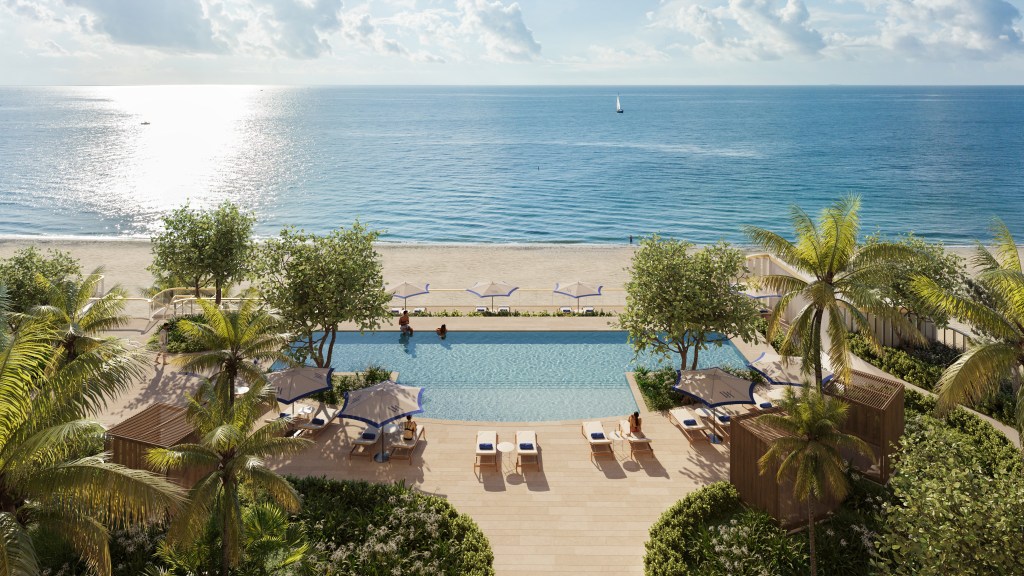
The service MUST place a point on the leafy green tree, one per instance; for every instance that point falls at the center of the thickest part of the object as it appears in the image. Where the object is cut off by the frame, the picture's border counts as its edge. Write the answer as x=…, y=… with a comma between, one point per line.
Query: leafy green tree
x=316, y=282
x=203, y=246
x=54, y=479
x=933, y=261
x=676, y=300
x=20, y=274
x=233, y=449
x=954, y=508
x=998, y=317
x=232, y=343
x=80, y=320
x=844, y=278
x=808, y=451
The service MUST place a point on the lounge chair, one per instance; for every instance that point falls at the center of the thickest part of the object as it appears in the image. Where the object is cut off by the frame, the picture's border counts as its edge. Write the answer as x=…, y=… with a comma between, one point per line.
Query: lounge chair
x=691, y=425
x=504, y=310
x=486, y=447
x=761, y=403
x=588, y=309
x=481, y=309
x=405, y=448
x=284, y=416
x=418, y=311
x=600, y=443
x=636, y=443
x=396, y=311
x=365, y=443
x=527, y=449
x=565, y=310
x=315, y=425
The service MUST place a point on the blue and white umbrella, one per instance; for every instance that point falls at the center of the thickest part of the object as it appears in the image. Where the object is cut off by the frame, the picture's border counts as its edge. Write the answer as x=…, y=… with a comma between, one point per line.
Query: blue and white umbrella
x=294, y=384
x=788, y=370
x=407, y=290
x=715, y=387
x=578, y=290
x=382, y=404
x=492, y=289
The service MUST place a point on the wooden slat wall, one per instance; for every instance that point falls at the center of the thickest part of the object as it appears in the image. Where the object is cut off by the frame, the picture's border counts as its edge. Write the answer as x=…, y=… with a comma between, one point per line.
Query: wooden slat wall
x=132, y=454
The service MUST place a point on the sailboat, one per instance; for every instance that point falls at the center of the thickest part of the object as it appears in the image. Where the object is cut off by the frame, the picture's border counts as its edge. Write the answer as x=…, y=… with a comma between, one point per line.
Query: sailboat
x=618, y=105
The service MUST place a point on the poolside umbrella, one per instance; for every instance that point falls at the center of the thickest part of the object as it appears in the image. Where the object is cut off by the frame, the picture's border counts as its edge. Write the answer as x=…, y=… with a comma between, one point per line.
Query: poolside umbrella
x=491, y=289
x=381, y=404
x=407, y=290
x=296, y=383
x=578, y=290
x=787, y=370
x=714, y=387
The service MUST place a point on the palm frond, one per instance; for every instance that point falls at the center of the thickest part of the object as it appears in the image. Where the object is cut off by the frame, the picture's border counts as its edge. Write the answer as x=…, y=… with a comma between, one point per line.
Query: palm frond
x=85, y=534
x=280, y=490
x=180, y=457
x=190, y=519
x=1006, y=248
x=774, y=244
x=17, y=553
x=976, y=373
x=965, y=309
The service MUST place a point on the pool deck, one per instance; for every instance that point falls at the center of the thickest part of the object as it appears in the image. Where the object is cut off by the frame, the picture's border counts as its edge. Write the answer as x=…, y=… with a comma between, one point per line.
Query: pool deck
x=575, y=515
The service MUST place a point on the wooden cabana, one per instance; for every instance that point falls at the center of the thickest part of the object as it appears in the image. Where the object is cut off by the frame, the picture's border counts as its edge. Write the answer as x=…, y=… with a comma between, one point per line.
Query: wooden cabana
x=749, y=441
x=876, y=417
x=159, y=426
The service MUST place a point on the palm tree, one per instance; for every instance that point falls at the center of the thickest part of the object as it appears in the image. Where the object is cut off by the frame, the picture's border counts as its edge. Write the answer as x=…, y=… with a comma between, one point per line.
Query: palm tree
x=79, y=318
x=843, y=277
x=232, y=343
x=997, y=316
x=233, y=452
x=808, y=452
x=54, y=479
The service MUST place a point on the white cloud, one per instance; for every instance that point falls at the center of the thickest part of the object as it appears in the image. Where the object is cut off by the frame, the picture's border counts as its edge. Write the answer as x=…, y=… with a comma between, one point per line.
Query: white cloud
x=500, y=29
x=981, y=29
x=298, y=28
x=744, y=29
x=176, y=25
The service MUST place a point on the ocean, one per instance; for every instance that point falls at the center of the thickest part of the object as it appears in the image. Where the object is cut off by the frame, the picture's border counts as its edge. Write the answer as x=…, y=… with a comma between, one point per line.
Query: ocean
x=512, y=164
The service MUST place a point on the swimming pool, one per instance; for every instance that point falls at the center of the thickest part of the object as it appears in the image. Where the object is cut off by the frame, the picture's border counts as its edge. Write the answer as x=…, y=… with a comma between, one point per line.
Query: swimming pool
x=511, y=376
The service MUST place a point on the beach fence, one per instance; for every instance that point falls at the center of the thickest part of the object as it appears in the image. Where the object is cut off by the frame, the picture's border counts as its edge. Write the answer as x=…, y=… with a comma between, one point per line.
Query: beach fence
x=523, y=299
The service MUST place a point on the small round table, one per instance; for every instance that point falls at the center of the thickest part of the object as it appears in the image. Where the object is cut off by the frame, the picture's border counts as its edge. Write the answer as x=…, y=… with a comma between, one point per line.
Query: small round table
x=505, y=447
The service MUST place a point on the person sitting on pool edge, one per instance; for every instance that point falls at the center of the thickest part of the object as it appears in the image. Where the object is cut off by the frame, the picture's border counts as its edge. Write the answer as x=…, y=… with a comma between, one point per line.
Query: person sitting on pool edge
x=442, y=331
x=403, y=323
x=409, y=428
x=634, y=425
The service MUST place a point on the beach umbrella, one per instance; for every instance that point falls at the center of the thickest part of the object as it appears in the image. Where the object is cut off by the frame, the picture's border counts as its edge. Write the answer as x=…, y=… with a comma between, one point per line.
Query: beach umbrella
x=296, y=383
x=787, y=370
x=492, y=289
x=578, y=290
x=382, y=404
x=407, y=290
x=714, y=387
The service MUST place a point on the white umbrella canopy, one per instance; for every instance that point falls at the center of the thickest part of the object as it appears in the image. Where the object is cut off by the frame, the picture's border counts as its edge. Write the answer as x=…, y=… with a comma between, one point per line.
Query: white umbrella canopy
x=491, y=289
x=407, y=290
x=299, y=382
x=382, y=403
x=577, y=290
x=787, y=370
x=714, y=387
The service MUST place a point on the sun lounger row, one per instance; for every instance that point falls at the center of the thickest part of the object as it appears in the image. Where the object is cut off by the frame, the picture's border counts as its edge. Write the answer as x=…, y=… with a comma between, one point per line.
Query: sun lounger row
x=526, y=447
x=601, y=443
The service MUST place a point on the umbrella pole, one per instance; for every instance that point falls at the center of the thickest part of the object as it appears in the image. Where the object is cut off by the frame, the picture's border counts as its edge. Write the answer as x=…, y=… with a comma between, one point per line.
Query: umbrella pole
x=382, y=456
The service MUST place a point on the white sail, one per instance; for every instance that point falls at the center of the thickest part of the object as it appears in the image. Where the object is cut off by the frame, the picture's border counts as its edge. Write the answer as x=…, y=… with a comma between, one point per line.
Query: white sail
x=618, y=106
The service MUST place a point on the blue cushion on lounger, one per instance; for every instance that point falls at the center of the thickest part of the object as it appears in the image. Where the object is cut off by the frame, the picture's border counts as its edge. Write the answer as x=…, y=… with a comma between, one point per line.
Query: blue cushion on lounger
x=689, y=422
x=724, y=418
x=765, y=405
x=526, y=446
x=369, y=435
x=487, y=446
x=317, y=422
x=597, y=435
x=284, y=414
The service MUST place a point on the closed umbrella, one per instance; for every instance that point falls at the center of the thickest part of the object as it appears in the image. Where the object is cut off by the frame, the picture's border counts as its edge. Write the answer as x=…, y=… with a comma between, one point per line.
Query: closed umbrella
x=578, y=290
x=714, y=387
x=296, y=383
x=787, y=370
x=491, y=289
x=381, y=404
x=407, y=290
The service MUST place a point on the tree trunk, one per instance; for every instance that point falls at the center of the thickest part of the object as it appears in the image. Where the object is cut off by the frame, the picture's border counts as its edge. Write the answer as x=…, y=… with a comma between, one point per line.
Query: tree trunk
x=816, y=342
x=198, y=295
x=810, y=535
x=696, y=353
x=216, y=299
x=330, y=349
x=225, y=553
x=683, y=351
x=320, y=349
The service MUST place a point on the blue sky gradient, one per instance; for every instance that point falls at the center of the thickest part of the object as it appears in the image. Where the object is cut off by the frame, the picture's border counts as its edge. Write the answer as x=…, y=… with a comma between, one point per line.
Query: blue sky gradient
x=604, y=42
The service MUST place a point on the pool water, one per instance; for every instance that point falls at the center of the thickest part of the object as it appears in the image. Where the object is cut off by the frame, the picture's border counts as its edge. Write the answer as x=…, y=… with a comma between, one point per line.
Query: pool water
x=512, y=376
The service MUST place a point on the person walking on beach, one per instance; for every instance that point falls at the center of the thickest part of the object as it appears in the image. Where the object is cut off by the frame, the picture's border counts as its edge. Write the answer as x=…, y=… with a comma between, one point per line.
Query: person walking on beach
x=164, y=334
x=403, y=323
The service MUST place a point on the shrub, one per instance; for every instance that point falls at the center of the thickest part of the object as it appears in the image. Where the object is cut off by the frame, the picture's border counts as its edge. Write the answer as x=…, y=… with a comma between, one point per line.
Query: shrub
x=19, y=274
x=348, y=382
x=954, y=504
x=177, y=342
x=656, y=387
x=360, y=528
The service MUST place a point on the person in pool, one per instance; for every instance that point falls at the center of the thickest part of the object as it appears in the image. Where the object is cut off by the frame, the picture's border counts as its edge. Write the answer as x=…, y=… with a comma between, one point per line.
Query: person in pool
x=442, y=331
x=403, y=323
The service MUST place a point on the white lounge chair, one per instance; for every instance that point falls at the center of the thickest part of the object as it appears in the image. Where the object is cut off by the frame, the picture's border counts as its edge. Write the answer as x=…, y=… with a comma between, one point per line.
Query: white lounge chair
x=600, y=443
x=565, y=310
x=481, y=309
x=418, y=311
x=365, y=442
x=405, y=448
x=588, y=309
x=396, y=311
x=693, y=426
x=527, y=449
x=314, y=426
x=761, y=403
x=504, y=310
x=486, y=447
x=637, y=443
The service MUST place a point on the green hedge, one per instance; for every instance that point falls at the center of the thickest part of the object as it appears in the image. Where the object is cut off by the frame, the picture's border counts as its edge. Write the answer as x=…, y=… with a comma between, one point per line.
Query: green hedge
x=656, y=387
x=364, y=529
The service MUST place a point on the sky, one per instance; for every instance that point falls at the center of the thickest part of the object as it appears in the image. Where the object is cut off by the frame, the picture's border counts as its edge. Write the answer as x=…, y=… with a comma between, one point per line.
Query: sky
x=533, y=42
